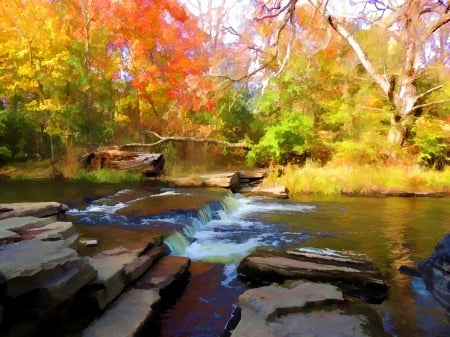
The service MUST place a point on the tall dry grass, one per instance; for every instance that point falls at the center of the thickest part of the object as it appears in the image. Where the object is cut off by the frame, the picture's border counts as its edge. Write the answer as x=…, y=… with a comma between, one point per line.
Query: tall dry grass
x=329, y=179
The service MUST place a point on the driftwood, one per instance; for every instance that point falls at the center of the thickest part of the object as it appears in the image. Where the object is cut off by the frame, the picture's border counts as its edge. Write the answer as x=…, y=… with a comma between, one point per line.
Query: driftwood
x=163, y=139
x=150, y=164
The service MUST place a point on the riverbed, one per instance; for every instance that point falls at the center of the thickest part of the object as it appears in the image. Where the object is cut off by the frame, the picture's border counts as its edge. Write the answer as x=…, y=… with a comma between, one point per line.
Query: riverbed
x=216, y=228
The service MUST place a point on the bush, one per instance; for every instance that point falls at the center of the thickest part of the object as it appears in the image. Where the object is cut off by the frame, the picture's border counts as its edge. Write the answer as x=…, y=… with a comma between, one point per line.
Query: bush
x=292, y=135
x=5, y=154
x=433, y=140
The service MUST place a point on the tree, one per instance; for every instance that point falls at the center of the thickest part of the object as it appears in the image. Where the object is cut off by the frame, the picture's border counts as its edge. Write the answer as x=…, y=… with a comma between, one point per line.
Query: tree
x=410, y=24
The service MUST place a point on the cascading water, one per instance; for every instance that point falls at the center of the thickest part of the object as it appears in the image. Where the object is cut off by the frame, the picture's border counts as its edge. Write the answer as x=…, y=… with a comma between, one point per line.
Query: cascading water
x=225, y=231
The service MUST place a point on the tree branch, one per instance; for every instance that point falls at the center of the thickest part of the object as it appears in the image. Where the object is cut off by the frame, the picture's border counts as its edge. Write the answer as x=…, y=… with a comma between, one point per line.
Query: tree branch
x=341, y=30
x=434, y=27
x=163, y=139
x=420, y=106
x=429, y=91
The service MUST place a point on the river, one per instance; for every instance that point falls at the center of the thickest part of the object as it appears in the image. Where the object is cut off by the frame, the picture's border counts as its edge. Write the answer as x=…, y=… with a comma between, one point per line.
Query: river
x=216, y=229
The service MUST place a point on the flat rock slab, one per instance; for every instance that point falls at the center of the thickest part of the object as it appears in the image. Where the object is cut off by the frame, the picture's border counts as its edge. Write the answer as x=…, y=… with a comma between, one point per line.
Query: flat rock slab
x=220, y=179
x=142, y=263
x=354, y=273
x=55, y=231
x=167, y=270
x=256, y=174
x=127, y=316
x=7, y=236
x=306, y=309
x=37, y=209
x=272, y=302
x=270, y=191
x=116, y=268
x=109, y=238
x=50, y=271
x=16, y=224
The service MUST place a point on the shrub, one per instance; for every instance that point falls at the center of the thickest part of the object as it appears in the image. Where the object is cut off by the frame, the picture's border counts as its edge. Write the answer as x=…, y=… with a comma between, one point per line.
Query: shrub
x=292, y=135
x=432, y=138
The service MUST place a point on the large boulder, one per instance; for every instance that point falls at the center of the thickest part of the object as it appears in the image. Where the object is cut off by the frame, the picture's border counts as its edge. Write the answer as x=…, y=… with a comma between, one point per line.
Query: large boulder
x=435, y=271
x=354, y=273
x=304, y=309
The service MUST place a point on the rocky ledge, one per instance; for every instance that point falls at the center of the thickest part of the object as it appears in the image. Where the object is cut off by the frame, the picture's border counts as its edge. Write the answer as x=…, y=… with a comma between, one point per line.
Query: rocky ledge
x=304, y=309
x=435, y=271
x=322, y=293
x=45, y=280
x=354, y=273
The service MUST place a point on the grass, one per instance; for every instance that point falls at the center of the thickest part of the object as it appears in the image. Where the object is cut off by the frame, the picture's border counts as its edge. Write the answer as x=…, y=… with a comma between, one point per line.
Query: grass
x=43, y=170
x=28, y=170
x=108, y=176
x=364, y=179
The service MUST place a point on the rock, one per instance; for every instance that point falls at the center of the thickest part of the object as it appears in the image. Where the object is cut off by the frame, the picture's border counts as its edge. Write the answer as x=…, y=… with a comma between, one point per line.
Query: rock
x=257, y=174
x=17, y=224
x=117, y=268
x=302, y=310
x=37, y=209
x=354, y=273
x=435, y=272
x=88, y=242
x=270, y=191
x=142, y=263
x=108, y=284
x=52, y=232
x=40, y=275
x=167, y=270
x=7, y=236
x=127, y=316
x=221, y=179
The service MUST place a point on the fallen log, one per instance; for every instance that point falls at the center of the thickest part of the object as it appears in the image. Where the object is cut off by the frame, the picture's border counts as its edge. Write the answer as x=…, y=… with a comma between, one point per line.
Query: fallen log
x=150, y=164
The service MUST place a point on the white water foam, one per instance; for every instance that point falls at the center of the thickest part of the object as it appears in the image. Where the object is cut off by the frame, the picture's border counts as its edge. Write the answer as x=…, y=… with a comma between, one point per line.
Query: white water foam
x=227, y=235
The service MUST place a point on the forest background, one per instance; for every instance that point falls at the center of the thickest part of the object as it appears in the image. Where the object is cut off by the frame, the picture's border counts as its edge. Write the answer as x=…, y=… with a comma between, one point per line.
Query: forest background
x=334, y=100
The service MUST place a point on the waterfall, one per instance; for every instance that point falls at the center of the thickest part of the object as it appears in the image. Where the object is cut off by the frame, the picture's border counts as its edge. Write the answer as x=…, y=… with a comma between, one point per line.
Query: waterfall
x=214, y=210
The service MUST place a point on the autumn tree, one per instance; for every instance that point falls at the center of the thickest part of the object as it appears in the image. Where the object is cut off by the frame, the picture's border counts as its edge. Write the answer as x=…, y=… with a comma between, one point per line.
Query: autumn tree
x=411, y=25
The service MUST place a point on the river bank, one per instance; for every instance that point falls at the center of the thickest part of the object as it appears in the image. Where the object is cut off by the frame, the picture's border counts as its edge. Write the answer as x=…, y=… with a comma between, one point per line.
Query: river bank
x=310, y=179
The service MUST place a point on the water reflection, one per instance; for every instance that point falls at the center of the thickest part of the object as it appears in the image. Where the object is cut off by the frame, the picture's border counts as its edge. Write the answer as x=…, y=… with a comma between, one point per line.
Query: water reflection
x=392, y=231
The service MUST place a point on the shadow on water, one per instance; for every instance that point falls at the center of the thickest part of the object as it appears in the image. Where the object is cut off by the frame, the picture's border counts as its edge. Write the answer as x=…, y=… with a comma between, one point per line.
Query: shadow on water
x=216, y=229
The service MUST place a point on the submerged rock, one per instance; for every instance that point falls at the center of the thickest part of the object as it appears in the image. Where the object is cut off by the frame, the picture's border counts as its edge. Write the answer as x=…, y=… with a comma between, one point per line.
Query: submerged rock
x=305, y=309
x=354, y=273
x=435, y=271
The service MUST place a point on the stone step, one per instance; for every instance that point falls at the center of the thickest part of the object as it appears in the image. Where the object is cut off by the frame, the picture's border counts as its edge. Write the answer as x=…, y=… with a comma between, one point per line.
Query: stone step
x=117, y=268
x=127, y=316
x=142, y=263
x=52, y=232
x=42, y=274
x=17, y=224
x=37, y=209
x=167, y=270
